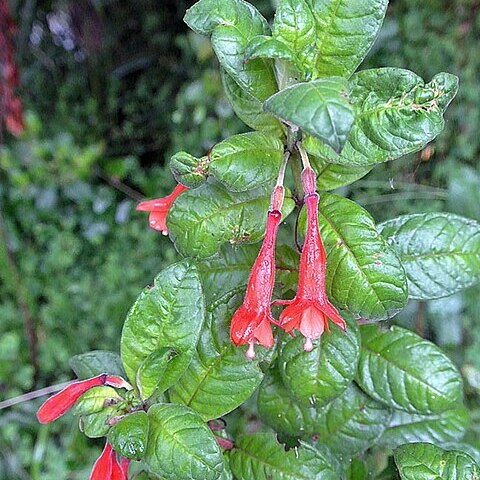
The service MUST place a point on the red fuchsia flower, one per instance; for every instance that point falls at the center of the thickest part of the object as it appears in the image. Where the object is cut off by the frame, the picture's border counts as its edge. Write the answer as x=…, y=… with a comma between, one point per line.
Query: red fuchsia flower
x=107, y=467
x=59, y=403
x=159, y=207
x=251, y=322
x=310, y=309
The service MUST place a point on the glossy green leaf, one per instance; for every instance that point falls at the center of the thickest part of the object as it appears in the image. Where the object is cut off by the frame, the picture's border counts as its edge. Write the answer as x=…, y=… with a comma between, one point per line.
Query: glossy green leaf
x=249, y=109
x=189, y=170
x=280, y=410
x=351, y=423
x=317, y=377
x=364, y=274
x=331, y=175
x=202, y=220
x=396, y=113
x=96, y=362
x=440, y=252
x=220, y=377
x=259, y=456
x=232, y=24
x=346, y=30
x=357, y=470
x=424, y=461
x=246, y=161
x=263, y=46
x=95, y=400
x=294, y=25
x=181, y=446
x=151, y=371
x=129, y=436
x=97, y=425
x=439, y=428
x=168, y=315
x=320, y=108
x=404, y=371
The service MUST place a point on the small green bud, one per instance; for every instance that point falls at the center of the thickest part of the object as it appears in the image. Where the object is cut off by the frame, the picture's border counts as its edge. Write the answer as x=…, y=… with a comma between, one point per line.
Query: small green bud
x=189, y=170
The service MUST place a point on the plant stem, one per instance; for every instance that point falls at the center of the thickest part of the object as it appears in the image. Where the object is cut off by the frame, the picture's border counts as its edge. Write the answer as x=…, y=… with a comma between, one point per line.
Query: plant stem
x=26, y=397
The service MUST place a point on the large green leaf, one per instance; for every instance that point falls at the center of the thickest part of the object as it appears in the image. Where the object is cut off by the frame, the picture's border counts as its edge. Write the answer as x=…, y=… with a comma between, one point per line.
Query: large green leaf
x=320, y=108
x=232, y=24
x=404, y=371
x=246, y=161
x=440, y=252
x=279, y=409
x=424, y=461
x=317, y=377
x=129, y=436
x=331, y=175
x=294, y=25
x=249, y=109
x=439, y=428
x=396, y=113
x=96, y=362
x=181, y=446
x=346, y=30
x=95, y=400
x=220, y=377
x=168, y=315
x=351, y=423
x=264, y=46
x=202, y=220
x=259, y=456
x=364, y=274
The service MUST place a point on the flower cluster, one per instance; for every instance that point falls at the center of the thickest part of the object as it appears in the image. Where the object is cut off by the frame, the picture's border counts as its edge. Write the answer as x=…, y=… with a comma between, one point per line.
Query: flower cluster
x=310, y=309
x=107, y=467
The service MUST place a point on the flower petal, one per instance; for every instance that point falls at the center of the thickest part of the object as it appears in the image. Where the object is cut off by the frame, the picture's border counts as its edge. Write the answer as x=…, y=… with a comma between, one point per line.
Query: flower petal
x=102, y=470
x=59, y=403
x=313, y=322
x=263, y=333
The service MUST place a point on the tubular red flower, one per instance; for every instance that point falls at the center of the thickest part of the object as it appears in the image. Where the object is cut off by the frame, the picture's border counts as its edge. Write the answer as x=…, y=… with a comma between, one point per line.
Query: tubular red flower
x=310, y=309
x=159, y=207
x=103, y=468
x=59, y=403
x=251, y=322
x=118, y=472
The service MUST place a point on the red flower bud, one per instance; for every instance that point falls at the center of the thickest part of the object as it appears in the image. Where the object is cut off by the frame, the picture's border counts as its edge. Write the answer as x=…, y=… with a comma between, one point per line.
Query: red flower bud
x=251, y=322
x=310, y=308
x=59, y=403
x=103, y=468
x=118, y=470
x=159, y=207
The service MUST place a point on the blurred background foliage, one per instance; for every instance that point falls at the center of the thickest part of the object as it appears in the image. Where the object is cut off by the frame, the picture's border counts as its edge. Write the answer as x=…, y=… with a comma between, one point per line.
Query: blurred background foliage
x=112, y=88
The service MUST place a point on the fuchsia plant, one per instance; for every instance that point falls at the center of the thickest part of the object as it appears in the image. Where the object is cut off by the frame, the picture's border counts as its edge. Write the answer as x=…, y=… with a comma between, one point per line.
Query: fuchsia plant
x=220, y=388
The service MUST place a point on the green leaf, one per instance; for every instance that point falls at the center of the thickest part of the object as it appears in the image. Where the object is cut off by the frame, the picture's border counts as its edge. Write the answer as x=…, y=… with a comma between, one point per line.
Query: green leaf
x=152, y=369
x=440, y=252
x=181, y=446
x=96, y=425
x=404, y=371
x=232, y=24
x=396, y=113
x=249, y=109
x=189, y=170
x=95, y=400
x=320, y=108
x=157, y=320
x=246, y=161
x=439, y=428
x=364, y=274
x=331, y=175
x=424, y=461
x=346, y=30
x=351, y=423
x=294, y=25
x=259, y=456
x=129, y=436
x=279, y=409
x=91, y=364
x=220, y=377
x=263, y=46
x=202, y=220
x=357, y=470
x=317, y=377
